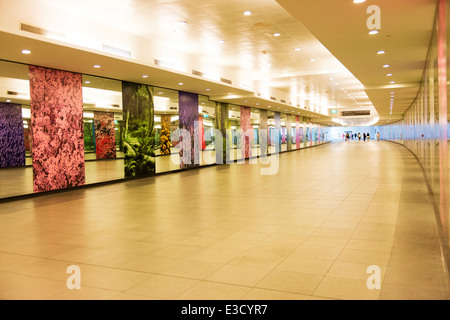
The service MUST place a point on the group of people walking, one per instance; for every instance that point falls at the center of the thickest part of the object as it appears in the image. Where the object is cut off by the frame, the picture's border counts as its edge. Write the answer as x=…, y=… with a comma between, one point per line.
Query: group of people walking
x=354, y=136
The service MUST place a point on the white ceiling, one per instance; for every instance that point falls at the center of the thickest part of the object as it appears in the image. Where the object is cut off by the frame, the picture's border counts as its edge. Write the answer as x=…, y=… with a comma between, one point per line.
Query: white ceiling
x=217, y=39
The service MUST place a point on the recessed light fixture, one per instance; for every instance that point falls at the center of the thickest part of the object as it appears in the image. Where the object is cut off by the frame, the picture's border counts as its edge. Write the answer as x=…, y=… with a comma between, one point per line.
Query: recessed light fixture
x=87, y=81
x=208, y=89
x=180, y=83
x=145, y=76
x=8, y=100
x=392, y=82
x=381, y=52
x=312, y=60
x=389, y=75
x=386, y=66
x=277, y=34
x=297, y=49
x=97, y=66
x=247, y=13
x=373, y=32
x=26, y=51
x=221, y=41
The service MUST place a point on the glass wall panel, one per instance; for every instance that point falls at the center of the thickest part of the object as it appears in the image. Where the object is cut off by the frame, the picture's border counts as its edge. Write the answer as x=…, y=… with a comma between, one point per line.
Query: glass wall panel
x=207, y=124
x=166, y=122
x=103, y=122
x=16, y=171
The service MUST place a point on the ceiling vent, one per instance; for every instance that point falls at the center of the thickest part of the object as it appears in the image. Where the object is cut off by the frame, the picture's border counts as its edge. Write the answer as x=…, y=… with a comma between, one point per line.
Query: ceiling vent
x=42, y=32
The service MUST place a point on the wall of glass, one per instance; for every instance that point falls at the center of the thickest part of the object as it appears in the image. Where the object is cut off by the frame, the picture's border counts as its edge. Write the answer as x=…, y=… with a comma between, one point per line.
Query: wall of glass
x=424, y=128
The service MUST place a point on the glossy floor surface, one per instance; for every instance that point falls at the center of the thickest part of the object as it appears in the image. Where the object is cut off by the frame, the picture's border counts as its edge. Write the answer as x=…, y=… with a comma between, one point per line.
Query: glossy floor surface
x=310, y=231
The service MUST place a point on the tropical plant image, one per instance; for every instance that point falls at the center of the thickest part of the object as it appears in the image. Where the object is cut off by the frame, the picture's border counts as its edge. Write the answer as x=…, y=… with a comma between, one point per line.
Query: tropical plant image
x=137, y=136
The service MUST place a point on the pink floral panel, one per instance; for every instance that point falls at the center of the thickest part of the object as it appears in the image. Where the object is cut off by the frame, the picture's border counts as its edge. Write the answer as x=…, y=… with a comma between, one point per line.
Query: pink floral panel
x=57, y=127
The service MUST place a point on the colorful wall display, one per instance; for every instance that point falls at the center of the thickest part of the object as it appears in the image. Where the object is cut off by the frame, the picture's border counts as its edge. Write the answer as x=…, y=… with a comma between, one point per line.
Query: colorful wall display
x=57, y=129
x=137, y=134
x=166, y=143
x=12, y=140
x=188, y=113
x=105, y=135
x=246, y=132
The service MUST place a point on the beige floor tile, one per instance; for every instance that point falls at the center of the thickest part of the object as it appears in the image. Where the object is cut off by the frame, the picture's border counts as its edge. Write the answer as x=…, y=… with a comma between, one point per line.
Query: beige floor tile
x=355, y=271
x=220, y=256
x=305, y=265
x=214, y=291
x=345, y=289
x=176, y=251
x=238, y=275
x=291, y=282
x=163, y=287
x=316, y=252
x=192, y=269
x=151, y=264
x=364, y=257
x=23, y=287
x=261, y=260
x=263, y=294
x=117, y=280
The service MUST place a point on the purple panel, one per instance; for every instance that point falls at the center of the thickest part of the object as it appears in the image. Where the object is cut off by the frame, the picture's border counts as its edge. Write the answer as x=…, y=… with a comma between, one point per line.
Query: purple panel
x=105, y=136
x=188, y=109
x=12, y=142
x=246, y=132
x=57, y=126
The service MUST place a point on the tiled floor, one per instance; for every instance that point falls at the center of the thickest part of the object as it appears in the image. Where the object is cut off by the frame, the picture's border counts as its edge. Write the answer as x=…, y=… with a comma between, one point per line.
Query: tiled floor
x=228, y=232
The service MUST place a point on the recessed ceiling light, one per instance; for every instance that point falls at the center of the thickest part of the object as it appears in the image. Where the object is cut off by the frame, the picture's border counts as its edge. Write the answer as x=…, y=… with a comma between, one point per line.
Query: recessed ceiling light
x=208, y=89
x=221, y=41
x=87, y=81
x=386, y=66
x=25, y=51
x=247, y=13
x=8, y=100
x=97, y=66
x=180, y=83
x=373, y=32
x=297, y=49
x=392, y=82
x=160, y=93
x=145, y=76
x=277, y=34
x=312, y=60
x=389, y=75
x=381, y=52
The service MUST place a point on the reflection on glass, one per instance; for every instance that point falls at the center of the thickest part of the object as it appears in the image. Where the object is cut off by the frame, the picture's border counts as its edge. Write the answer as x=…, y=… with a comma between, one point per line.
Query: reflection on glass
x=16, y=172
x=102, y=121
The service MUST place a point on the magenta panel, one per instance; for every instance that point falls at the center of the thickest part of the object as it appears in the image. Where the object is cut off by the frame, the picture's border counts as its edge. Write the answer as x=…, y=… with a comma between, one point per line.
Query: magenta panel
x=57, y=127
x=105, y=136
